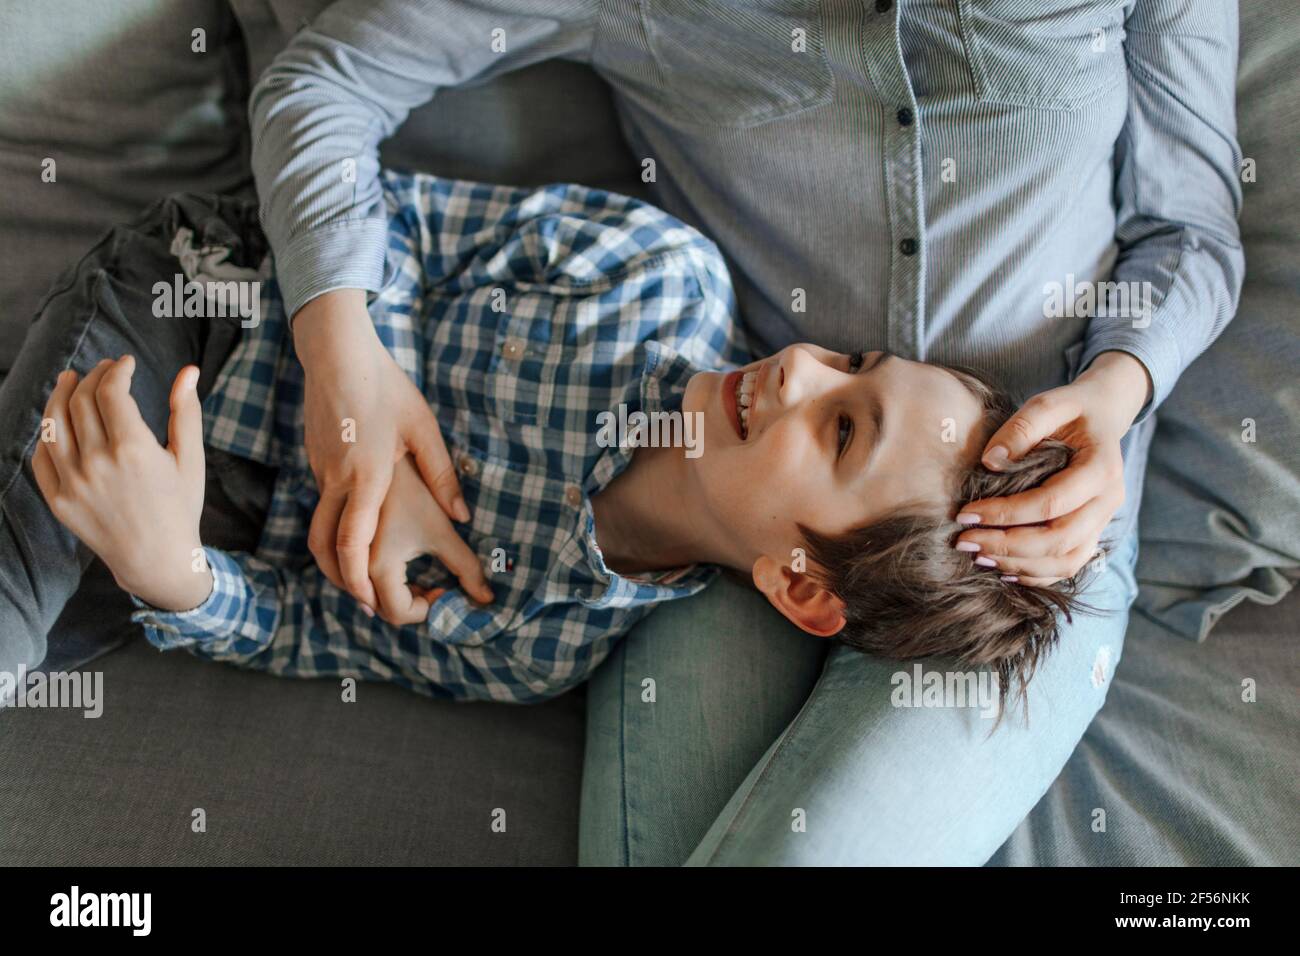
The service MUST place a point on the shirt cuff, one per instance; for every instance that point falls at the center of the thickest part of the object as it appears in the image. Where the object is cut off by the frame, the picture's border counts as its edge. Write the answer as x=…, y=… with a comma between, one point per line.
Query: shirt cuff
x=352, y=254
x=216, y=618
x=1154, y=346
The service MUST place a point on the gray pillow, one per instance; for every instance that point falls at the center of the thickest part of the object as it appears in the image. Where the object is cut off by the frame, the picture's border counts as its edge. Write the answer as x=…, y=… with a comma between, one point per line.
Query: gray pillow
x=115, y=96
x=1220, y=516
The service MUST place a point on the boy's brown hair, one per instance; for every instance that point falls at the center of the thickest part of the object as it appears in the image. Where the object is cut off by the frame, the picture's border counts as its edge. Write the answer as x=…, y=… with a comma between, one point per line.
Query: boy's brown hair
x=908, y=593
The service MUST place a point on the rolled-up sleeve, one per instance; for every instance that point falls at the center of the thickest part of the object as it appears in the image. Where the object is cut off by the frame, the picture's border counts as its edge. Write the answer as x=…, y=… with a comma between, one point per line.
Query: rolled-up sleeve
x=343, y=85
x=1178, y=190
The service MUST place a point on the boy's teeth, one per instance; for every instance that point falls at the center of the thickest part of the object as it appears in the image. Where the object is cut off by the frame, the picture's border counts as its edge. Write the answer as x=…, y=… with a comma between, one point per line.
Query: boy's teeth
x=744, y=398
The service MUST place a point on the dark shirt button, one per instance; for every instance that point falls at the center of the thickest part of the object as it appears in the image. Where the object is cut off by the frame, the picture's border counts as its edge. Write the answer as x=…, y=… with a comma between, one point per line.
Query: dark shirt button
x=905, y=117
x=884, y=6
x=908, y=247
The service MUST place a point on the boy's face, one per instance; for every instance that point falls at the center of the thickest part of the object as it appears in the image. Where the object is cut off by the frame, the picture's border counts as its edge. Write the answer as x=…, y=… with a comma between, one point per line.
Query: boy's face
x=827, y=441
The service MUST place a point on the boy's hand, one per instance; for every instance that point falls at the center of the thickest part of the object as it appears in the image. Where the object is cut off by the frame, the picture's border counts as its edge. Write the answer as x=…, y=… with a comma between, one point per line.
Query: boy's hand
x=411, y=524
x=1050, y=532
x=131, y=501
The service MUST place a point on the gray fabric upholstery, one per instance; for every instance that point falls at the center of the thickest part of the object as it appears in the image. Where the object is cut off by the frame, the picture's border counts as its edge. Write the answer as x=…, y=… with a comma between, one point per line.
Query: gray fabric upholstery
x=114, y=94
x=1187, y=772
x=1220, y=515
x=286, y=773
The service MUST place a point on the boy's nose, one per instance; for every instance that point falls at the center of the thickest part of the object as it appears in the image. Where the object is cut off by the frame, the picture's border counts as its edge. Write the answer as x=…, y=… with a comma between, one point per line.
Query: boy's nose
x=802, y=376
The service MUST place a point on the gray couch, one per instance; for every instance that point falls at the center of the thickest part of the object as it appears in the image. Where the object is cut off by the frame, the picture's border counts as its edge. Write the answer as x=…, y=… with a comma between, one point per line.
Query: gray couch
x=117, y=95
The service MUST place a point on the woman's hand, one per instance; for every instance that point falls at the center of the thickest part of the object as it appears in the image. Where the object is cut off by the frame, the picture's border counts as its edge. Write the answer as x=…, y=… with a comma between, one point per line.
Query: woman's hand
x=411, y=524
x=134, y=503
x=1050, y=532
x=362, y=416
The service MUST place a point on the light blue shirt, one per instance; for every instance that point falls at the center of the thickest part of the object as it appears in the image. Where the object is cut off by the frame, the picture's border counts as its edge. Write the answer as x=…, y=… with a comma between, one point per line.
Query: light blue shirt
x=915, y=175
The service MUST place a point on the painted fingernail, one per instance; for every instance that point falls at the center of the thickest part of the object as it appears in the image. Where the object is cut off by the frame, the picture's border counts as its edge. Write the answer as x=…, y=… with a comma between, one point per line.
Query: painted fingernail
x=1010, y=578
x=967, y=518
x=984, y=562
x=967, y=546
x=997, y=458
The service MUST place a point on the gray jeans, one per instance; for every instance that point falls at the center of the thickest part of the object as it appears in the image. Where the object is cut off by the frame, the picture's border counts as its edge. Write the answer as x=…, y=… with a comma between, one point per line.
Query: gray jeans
x=102, y=307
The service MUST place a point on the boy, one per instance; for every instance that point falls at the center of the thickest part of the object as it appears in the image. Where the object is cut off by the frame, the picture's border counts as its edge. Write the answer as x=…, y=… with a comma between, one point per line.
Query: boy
x=538, y=323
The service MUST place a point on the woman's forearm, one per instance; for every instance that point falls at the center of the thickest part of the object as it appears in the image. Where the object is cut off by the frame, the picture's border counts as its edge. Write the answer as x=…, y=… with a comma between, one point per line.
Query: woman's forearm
x=330, y=327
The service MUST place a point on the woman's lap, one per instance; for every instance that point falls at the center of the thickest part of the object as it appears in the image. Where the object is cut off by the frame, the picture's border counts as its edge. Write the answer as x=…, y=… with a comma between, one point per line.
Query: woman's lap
x=853, y=778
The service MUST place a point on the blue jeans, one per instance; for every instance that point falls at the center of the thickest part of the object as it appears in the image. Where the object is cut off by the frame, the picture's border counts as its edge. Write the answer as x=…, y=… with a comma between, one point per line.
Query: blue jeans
x=102, y=307
x=755, y=752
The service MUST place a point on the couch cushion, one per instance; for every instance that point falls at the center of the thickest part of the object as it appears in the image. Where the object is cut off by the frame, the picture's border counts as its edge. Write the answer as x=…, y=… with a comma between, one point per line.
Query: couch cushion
x=285, y=772
x=1220, y=515
x=1189, y=771
x=114, y=94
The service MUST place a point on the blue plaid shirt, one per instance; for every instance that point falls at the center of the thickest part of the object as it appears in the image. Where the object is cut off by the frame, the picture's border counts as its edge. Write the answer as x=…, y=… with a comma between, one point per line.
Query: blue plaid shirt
x=521, y=314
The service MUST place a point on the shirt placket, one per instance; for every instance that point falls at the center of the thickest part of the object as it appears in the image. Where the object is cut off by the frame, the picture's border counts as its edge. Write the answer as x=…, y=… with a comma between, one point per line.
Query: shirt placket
x=900, y=149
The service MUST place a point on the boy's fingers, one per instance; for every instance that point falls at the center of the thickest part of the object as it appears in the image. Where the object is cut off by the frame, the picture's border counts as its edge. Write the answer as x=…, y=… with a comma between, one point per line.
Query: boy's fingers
x=62, y=447
x=84, y=411
x=185, y=426
x=457, y=558
x=47, y=475
x=399, y=603
x=1037, y=419
x=117, y=409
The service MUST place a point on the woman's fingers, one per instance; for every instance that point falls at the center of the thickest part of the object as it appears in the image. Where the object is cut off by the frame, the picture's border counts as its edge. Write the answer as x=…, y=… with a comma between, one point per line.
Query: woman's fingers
x=437, y=471
x=1053, y=568
x=1060, y=536
x=1085, y=478
x=356, y=530
x=322, y=535
x=1037, y=419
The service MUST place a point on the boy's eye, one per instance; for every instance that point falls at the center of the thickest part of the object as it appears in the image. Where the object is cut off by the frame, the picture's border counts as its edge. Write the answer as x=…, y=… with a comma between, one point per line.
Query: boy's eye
x=855, y=361
x=846, y=433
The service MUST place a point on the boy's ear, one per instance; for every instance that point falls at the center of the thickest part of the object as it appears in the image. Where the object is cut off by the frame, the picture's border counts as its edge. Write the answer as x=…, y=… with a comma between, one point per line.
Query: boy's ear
x=804, y=601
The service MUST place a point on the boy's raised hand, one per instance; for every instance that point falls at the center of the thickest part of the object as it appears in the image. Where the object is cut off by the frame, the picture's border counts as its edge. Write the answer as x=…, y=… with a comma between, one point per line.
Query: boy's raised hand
x=134, y=503
x=411, y=524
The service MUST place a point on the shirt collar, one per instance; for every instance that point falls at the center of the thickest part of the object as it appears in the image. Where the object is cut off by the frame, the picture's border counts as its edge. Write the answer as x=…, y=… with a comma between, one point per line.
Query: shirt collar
x=662, y=384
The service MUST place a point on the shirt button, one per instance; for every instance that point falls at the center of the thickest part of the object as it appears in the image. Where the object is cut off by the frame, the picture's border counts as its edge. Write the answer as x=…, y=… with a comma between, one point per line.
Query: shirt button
x=573, y=495
x=884, y=6
x=905, y=116
x=907, y=247
x=466, y=464
x=512, y=348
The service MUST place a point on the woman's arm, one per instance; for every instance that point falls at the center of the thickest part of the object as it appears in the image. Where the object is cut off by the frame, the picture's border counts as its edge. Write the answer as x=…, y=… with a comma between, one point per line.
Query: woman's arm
x=1178, y=192
x=319, y=113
